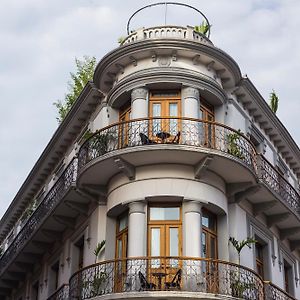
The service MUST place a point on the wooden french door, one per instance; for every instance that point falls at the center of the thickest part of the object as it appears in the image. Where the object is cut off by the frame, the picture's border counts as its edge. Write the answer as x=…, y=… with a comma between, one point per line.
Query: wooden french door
x=164, y=241
x=207, y=114
x=121, y=252
x=164, y=105
x=210, y=250
x=125, y=115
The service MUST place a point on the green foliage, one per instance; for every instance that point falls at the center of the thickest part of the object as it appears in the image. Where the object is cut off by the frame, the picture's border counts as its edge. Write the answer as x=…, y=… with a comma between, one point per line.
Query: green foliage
x=274, y=101
x=99, y=248
x=203, y=28
x=239, y=245
x=84, y=72
x=121, y=39
x=233, y=147
x=29, y=210
x=238, y=288
x=95, y=285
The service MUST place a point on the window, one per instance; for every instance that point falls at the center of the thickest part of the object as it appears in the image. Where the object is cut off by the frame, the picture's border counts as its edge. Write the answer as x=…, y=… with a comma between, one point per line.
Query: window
x=164, y=104
x=35, y=291
x=259, y=258
x=80, y=252
x=54, y=276
x=209, y=235
x=288, y=277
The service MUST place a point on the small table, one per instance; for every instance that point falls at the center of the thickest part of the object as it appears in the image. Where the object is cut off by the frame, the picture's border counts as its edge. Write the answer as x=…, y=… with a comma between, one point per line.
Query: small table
x=159, y=276
x=163, y=135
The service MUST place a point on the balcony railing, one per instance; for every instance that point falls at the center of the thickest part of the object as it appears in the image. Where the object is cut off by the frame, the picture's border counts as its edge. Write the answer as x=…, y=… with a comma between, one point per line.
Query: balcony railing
x=60, y=294
x=166, y=274
x=51, y=200
x=180, y=131
x=274, y=292
x=167, y=32
x=278, y=184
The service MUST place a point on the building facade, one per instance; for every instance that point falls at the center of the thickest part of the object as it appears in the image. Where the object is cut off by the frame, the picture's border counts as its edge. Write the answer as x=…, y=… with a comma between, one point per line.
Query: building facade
x=167, y=154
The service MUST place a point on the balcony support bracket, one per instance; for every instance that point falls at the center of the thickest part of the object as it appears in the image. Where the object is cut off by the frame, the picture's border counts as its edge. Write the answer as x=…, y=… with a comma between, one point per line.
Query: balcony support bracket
x=285, y=233
x=275, y=219
x=78, y=207
x=127, y=168
x=52, y=234
x=66, y=221
x=259, y=208
x=202, y=166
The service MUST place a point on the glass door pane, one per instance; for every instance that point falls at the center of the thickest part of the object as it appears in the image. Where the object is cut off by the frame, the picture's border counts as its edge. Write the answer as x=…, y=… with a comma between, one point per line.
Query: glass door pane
x=155, y=246
x=173, y=112
x=156, y=123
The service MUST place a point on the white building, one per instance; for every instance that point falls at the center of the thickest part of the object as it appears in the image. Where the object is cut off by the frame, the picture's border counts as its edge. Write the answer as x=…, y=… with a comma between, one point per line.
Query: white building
x=185, y=154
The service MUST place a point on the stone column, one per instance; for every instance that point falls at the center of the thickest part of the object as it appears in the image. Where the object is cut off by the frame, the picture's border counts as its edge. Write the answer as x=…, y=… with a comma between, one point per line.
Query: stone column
x=139, y=103
x=191, y=130
x=137, y=229
x=192, y=244
x=192, y=228
x=136, y=244
x=139, y=109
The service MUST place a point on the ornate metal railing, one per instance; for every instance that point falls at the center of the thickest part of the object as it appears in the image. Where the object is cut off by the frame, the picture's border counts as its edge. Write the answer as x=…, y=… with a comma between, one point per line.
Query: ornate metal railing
x=277, y=183
x=165, y=274
x=181, y=131
x=51, y=200
x=60, y=294
x=273, y=292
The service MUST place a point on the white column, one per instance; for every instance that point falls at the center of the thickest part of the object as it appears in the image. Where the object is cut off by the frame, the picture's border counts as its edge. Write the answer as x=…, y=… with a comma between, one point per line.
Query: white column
x=191, y=130
x=191, y=102
x=192, y=228
x=139, y=103
x=137, y=229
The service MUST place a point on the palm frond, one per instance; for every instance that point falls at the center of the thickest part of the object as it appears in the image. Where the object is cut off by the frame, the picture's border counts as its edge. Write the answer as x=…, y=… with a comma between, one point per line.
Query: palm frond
x=99, y=248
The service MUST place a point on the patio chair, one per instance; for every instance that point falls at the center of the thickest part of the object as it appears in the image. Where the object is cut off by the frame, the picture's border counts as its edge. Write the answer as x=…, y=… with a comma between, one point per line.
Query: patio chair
x=175, y=283
x=176, y=138
x=145, y=140
x=145, y=285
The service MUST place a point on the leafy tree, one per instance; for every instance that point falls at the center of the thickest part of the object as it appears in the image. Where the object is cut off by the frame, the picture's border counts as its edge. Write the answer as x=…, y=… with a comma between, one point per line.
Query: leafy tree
x=239, y=245
x=203, y=28
x=274, y=101
x=84, y=72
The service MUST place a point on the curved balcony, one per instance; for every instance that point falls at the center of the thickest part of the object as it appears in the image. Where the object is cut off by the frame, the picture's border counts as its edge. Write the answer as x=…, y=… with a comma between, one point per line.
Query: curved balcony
x=274, y=292
x=184, y=277
x=60, y=294
x=227, y=147
x=42, y=212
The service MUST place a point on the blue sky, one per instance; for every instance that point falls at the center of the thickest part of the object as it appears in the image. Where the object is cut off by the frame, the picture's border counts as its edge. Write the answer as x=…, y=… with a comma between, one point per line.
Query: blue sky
x=40, y=39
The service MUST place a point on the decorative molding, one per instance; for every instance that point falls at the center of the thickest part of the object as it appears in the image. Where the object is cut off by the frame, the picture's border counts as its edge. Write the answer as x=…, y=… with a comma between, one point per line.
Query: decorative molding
x=139, y=93
x=190, y=92
x=164, y=61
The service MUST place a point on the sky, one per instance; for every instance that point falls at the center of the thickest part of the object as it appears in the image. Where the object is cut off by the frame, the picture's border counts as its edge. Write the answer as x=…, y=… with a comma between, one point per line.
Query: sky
x=41, y=38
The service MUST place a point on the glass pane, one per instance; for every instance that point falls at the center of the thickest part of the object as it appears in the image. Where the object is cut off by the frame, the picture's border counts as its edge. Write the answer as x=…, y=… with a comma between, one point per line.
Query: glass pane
x=119, y=248
x=164, y=213
x=123, y=222
x=205, y=221
x=155, y=241
x=209, y=221
x=156, y=108
x=204, y=254
x=173, y=109
x=213, y=247
x=174, y=242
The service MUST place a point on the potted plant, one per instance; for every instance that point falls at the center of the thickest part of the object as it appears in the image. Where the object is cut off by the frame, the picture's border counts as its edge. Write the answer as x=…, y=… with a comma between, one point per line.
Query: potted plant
x=238, y=287
x=203, y=28
x=233, y=147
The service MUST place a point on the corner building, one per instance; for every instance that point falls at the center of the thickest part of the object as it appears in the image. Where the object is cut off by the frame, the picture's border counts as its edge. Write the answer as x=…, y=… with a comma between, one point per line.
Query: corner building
x=167, y=154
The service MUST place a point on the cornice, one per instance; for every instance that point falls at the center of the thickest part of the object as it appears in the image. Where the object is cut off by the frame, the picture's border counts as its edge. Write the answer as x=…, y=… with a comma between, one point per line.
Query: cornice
x=172, y=44
x=52, y=153
x=273, y=119
x=177, y=75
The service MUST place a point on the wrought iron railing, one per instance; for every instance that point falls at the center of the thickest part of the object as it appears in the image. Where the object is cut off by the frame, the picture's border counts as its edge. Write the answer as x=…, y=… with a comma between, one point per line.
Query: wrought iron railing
x=278, y=184
x=51, y=200
x=166, y=274
x=60, y=294
x=181, y=131
x=273, y=292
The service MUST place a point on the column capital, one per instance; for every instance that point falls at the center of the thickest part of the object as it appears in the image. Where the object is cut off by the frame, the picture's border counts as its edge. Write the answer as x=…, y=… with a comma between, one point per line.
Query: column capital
x=190, y=92
x=137, y=207
x=139, y=93
x=192, y=206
